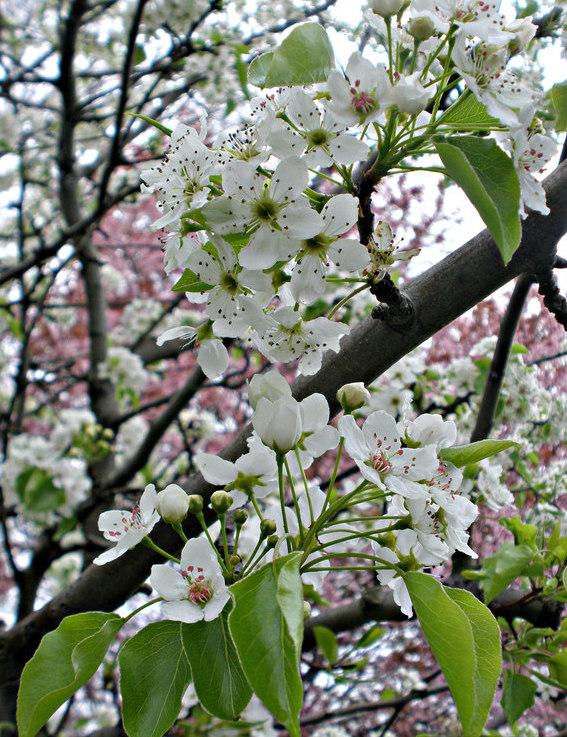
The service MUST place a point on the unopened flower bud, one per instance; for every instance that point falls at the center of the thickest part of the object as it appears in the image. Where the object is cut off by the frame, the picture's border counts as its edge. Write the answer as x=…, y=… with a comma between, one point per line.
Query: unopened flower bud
x=221, y=501
x=107, y=434
x=235, y=559
x=270, y=385
x=267, y=527
x=306, y=610
x=272, y=541
x=240, y=516
x=172, y=504
x=353, y=396
x=421, y=28
x=195, y=503
x=386, y=8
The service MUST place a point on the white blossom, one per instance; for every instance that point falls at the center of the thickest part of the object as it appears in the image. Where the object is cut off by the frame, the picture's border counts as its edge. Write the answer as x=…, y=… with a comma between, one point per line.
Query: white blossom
x=361, y=96
x=314, y=134
x=197, y=591
x=128, y=528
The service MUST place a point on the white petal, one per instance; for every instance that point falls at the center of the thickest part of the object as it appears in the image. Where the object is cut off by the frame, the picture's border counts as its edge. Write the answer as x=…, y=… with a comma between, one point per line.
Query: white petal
x=354, y=439
x=298, y=220
x=182, y=611
x=349, y=255
x=314, y=412
x=401, y=596
x=308, y=279
x=183, y=331
x=215, y=606
x=213, y=358
x=215, y=470
x=380, y=433
x=322, y=440
x=197, y=552
x=266, y=247
x=407, y=488
x=169, y=584
x=348, y=149
x=416, y=464
x=289, y=179
x=205, y=266
x=148, y=502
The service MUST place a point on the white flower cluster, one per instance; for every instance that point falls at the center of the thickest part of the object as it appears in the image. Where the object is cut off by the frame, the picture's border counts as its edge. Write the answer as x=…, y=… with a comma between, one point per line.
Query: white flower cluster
x=126, y=371
x=423, y=519
x=39, y=477
x=260, y=245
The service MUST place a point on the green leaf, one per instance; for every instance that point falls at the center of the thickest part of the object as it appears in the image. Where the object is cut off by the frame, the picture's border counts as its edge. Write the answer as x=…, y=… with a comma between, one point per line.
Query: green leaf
x=64, y=661
x=518, y=694
x=190, y=282
x=152, y=122
x=557, y=665
x=488, y=178
x=267, y=628
x=558, y=94
x=37, y=491
x=371, y=636
x=465, y=640
x=327, y=643
x=523, y=532
x=469, y=114
x=463, y=455
x=139, y=55
x=503, y=567
x=219, y=681
x=304, y=57
x=154, y=674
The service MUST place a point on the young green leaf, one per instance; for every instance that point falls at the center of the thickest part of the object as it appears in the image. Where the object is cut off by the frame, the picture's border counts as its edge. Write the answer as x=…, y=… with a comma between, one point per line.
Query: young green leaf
x=465, y=640
x=190, y=282
x=304, y=57
x=488, y=178
x=327, y=643
x=153, y=123
x=558, y=96
x=463, y=455
x=266, y=624
x=468, y=113
x=503, y=567
x=154, y=674
x=64, y=661
x=37, y=491
x=219, y=681
x=518, y=694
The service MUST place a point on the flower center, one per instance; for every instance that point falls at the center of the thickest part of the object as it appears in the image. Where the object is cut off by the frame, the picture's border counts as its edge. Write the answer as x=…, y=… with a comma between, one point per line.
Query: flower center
x=318, y=245
x=317, y=137
x=265, y=209
x=380, y=463
x=200, y=593
x=362, y=101
x=229, y=283
x=199, y=588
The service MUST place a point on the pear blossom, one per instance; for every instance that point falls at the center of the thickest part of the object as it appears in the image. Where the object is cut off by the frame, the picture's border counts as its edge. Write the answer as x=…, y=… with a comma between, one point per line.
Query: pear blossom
x=408, y=94
x=531, y=154
x=181, y=181
x=212, y=355
x=289, y=337
x=316, y=254
x=360, y=97
x=484, y=70
x=272, y=211
x=197, y=591
x=127, y=528
x=250, y=143
x=314, y=134
x=392, y=579
x=228, y=304
x=431, y=429
x=376, y=449
x=254, y=472
x=384, y=252
x=477, y=18
x=353, y=396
